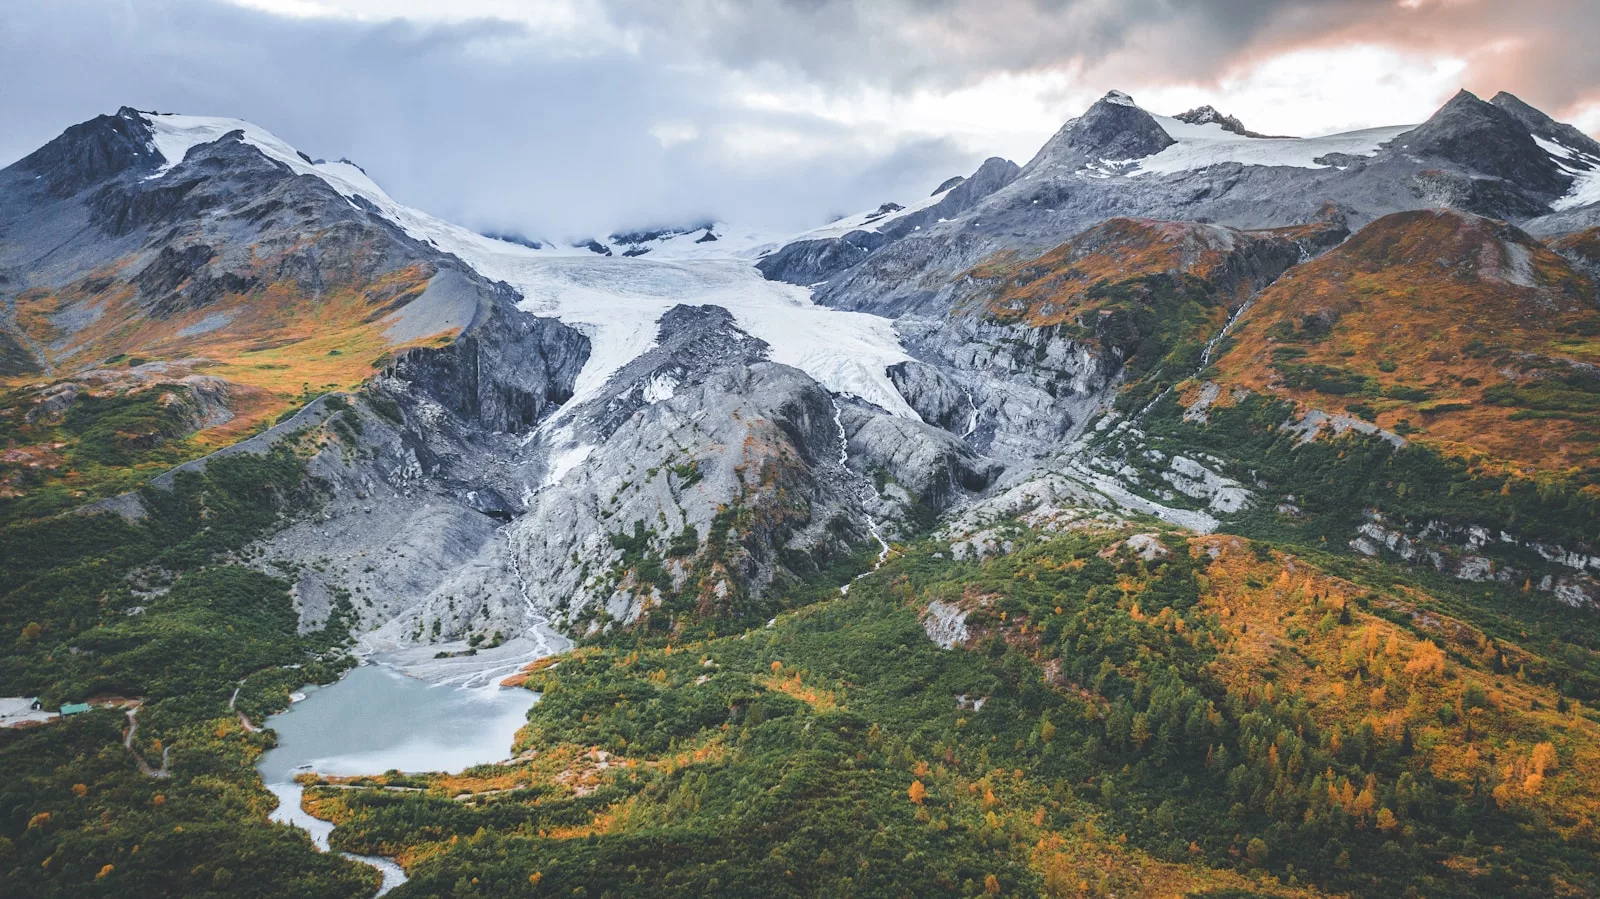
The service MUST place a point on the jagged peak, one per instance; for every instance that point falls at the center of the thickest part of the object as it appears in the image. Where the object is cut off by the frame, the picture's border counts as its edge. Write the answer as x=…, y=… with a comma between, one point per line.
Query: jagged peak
x=1487, y=139
x=1210, y=115
x=1204, y=115
x=1541, y=125
x=86, y=153
x=1464, y=98
x=1118, y=98
x=1114, y=128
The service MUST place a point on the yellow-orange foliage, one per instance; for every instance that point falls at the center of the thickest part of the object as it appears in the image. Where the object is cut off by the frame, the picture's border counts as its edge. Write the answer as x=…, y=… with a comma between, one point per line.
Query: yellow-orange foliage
x=1430, y=291
x=1427, y=658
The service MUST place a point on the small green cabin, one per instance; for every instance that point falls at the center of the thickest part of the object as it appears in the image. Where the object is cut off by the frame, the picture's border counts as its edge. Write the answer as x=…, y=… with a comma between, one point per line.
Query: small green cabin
x=74, y=708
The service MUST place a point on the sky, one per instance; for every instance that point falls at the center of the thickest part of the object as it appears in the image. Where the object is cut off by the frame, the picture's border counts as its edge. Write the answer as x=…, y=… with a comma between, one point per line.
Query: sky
x=567, y=118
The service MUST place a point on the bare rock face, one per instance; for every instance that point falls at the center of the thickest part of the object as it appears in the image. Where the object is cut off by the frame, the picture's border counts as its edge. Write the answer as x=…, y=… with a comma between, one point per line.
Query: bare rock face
x=1114, y=128
x=933, y=466
x=938, y=398
x=1026, y=388
x=1487, y=139
x=504, y=381
x=812, y=261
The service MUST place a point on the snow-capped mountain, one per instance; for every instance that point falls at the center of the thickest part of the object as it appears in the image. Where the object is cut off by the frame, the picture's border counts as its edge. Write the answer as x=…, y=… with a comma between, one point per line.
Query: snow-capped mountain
x=571, y=393
x=555, y=403
x=1118, y=158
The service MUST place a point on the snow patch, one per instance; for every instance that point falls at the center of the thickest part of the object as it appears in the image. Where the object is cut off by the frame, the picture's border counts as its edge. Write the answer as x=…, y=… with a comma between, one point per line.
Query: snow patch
x=661, y=387
x=1203, y=146
x=1585, y=172
x=871, y=220
x=563, y=461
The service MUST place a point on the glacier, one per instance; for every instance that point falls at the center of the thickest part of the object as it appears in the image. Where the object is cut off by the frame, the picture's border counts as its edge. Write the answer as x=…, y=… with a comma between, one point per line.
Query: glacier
x=614, y=301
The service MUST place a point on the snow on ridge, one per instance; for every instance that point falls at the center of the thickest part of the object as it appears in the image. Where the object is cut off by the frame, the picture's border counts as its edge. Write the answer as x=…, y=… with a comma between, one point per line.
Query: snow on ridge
x=869, y=220
x=1202, y=146
x=1585, y=172
x=616, y=301
x=731, y=243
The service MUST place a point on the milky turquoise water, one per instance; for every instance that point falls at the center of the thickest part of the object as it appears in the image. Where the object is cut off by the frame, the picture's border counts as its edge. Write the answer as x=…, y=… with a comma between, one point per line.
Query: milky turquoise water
x=376, y=720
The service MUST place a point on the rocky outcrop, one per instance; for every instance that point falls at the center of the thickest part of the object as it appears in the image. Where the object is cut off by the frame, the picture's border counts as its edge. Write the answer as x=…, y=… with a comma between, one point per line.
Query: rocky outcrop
x=1486, y=139
x=813, y=261
x=1114, y=129
x=936, y=397
x=506, y=371
x=934, y=467
x=1475, y=553
x=1210, y=115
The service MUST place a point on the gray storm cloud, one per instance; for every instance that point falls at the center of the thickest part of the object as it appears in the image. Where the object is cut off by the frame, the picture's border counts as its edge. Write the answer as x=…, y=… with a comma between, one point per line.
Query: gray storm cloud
x=491, y=124
x=1543, y=49
x=476, y=122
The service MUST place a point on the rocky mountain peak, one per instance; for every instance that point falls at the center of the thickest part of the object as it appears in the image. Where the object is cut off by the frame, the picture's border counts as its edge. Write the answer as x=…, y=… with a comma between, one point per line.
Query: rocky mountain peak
x=1543, y=126
x=1488, y=139
x=1210, y=115
x=90, y=152
x=1113, y=128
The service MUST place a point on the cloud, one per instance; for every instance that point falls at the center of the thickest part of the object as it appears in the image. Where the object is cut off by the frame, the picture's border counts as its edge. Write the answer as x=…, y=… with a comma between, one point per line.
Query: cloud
x=475, y=120
x=958, y=42
x=577, y=116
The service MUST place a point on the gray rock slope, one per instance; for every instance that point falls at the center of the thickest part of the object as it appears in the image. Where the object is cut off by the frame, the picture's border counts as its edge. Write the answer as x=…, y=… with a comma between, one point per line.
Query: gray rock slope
x=463, y=494
x=1477, y=156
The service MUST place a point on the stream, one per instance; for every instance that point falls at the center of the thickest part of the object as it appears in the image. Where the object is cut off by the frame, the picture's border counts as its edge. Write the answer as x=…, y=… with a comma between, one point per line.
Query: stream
x=869, y=493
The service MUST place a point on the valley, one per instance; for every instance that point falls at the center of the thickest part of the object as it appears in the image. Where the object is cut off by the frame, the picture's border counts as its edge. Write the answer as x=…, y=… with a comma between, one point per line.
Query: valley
x=1183, y=512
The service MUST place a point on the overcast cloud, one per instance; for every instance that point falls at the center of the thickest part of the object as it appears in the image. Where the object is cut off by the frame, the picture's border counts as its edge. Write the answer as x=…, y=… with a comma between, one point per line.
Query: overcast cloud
x=567, y=117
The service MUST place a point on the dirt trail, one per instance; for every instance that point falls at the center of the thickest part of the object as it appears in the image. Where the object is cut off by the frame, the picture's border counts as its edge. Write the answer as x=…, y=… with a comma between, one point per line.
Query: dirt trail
x=127, y=743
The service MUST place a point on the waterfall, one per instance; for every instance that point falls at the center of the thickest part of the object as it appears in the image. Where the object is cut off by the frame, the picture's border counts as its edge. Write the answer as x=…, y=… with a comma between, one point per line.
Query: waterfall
x=867, y=492
x=972, y=420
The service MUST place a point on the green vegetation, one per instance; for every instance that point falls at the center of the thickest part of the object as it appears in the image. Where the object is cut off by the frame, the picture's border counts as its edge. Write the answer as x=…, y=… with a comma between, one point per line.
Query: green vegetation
x=1120, y=744
x=1337, y=482
x=97, y=446
x=152, y=612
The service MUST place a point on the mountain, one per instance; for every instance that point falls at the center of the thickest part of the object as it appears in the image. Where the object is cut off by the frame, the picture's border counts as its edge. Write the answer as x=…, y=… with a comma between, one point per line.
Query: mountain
x=1187, y=511
x=216, y=267
x=1118, y=159
x=1455, y=322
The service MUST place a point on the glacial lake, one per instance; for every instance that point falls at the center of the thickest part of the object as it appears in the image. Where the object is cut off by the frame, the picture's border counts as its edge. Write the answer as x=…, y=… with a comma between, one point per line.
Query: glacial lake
x=376, y=719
